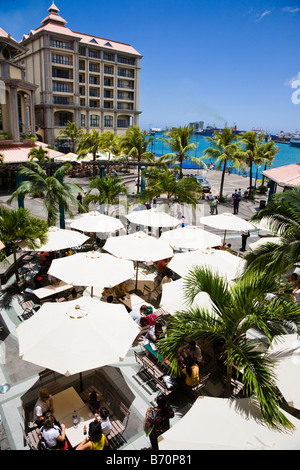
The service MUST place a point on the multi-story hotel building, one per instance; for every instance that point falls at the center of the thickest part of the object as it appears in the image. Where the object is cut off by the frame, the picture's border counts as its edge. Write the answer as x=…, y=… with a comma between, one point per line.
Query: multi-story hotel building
x=81, y=78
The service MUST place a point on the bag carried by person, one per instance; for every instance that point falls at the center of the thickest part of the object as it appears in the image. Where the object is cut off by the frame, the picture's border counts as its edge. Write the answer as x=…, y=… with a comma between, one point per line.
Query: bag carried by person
x=149, y=421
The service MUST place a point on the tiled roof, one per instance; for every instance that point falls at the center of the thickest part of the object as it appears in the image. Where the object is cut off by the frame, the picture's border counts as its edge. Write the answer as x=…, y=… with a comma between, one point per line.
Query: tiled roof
x=60, y=28
x=288, y=175
x=19, y=153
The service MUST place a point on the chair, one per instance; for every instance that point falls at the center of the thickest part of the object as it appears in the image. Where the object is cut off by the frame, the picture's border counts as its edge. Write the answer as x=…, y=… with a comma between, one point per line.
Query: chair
x=32, y=439
x=53, y=387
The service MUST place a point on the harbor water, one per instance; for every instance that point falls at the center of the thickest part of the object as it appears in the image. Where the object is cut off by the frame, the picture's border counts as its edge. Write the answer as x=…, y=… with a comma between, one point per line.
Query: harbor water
x=286, y=154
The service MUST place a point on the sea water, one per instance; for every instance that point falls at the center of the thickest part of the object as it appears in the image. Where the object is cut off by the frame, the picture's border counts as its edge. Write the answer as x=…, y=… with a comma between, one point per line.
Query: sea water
x=286, y=154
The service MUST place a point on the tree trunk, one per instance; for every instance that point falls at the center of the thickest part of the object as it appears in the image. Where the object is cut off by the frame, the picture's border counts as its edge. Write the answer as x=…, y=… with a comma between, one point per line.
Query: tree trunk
x=222, y=179
x=138, y=182
x=250, y=189
x=228, y=381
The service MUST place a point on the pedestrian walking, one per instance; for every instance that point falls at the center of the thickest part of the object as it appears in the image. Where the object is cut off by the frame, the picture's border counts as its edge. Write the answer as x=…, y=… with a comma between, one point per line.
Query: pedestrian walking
x=157, y=420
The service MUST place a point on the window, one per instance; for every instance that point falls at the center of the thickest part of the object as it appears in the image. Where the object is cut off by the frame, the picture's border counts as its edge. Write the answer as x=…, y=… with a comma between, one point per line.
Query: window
x=61, y=100
x=82, y=120
x=94, y=104
x=108, y=69
x=61, y=44
x=94, y=120
x=94, y=54
x=122, y=123
x=94, y=92
x=61, y=59
x=108, y=44
x=108, y=121
x=108, y=56
x=94, y=80
x=126, y=60
x=126, y=73
x=61, y=73
x=62, y=87
x=63, y=119
x=93, y=68
x=108, y=82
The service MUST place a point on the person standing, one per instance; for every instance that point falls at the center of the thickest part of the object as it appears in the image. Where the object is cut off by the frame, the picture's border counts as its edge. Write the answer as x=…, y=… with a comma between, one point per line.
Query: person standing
x=236, y=202
x=245, y=234
x=216, y=202
x=157, y=420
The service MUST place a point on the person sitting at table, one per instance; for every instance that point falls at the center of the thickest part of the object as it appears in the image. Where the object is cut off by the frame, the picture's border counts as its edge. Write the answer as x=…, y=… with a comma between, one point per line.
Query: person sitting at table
x=95, y=401
x=161, y=266
x=52, y=435
x=104, y=420
x=137, y=313
x=107, y=291
x=191, y=372
x=96, y=440
x=191, y=350
x=149, y=317
x=73, y=295
x=296, y=292
x=53, y=281
x=154, y=333
x=121, y=291
x=43, y=405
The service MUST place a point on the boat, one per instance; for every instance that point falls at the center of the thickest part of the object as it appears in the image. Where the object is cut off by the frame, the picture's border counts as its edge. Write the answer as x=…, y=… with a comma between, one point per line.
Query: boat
x=295, y=140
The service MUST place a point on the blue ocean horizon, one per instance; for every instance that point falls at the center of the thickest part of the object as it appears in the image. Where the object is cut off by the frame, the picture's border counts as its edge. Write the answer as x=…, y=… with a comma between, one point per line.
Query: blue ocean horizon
x=286, y=154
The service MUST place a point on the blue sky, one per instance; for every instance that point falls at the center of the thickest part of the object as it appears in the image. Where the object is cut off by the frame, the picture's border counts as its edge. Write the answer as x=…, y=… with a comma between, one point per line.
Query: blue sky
x=218, y=61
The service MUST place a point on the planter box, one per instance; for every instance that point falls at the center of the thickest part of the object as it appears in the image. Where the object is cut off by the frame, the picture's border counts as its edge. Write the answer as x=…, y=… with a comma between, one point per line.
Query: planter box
x=4, y=142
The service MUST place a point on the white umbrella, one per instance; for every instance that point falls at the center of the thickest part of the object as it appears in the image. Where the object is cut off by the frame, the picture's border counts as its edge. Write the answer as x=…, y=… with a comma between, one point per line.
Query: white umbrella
x=69, y=157
x=92, y=269
x=227, y=424
x=220, y=262
x=60, y=239
x=173, y=298
x=227, y=221
x=152, y=218
x=191, y=237
x=71, y=337
x=95, y=222
x=285, y=353
x=138, y=246
x=263, y=241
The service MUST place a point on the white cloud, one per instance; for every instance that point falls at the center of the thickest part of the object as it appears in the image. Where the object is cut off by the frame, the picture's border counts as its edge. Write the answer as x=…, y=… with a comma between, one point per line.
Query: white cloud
x=262, y=15
x=291, y=9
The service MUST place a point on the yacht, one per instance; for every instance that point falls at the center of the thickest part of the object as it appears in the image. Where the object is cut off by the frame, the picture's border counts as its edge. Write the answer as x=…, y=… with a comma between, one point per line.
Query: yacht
x=295, y=140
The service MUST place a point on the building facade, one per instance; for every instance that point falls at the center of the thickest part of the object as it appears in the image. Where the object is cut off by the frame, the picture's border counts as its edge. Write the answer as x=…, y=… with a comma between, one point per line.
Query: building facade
x=80, y=78
x=17, y=95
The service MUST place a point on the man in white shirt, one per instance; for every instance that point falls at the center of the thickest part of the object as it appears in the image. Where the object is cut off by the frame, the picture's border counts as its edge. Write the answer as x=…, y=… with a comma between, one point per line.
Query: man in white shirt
x=137, y=313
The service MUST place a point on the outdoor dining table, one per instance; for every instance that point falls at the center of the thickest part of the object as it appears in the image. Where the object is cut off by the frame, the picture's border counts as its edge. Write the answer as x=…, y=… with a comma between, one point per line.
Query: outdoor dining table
x=133, y=301
x=46, y=291
x=64, y=404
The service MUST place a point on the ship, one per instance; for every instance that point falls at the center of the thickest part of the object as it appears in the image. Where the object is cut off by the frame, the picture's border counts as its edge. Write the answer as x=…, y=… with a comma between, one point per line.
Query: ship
x=295, y=140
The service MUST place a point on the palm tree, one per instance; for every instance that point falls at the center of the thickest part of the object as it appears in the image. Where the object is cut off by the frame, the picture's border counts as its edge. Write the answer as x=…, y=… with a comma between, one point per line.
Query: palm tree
x=252, y=151
x=109, y=191
x=72, y=132
x=236, y=309
x=41, y=155
x=135, y=143
x=224, y=149
x=267, y=154
x=90, y=143
x=185, y=190
x=178, y=139
x=283, y=216
x=56, y=193
x=18, y=225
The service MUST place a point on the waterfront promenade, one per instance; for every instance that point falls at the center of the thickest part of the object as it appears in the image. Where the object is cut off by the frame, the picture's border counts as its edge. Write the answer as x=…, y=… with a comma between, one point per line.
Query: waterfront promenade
x=23, y=376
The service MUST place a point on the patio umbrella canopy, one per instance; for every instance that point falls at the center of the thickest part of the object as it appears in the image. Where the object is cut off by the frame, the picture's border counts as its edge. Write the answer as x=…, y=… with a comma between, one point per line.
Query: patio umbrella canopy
x=138, y=246
x=263, y=241
x=152, y=218
x=95, y=222
x=227, y=221
x=173, y=299
x=92, y=269
x=285, y=353
x=219, y=261
x=227, y=424
x=72, y=337
x=191, y=238
x=60, y=239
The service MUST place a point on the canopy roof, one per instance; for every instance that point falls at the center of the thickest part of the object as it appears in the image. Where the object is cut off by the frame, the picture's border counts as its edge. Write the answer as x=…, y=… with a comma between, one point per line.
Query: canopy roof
x=288, y=175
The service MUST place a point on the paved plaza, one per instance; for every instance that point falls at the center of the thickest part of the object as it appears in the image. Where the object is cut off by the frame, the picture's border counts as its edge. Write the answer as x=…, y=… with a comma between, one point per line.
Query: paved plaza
x=23, y=377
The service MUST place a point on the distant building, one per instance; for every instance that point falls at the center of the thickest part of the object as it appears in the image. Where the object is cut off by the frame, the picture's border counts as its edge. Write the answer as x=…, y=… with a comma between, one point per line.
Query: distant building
x=198, y=126
x=81, y=78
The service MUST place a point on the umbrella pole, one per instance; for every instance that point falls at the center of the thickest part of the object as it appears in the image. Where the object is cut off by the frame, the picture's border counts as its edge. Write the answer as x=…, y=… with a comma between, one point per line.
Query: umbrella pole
x=92, y=291
x=136, y=275
x=81, y=382
x=224, y=235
